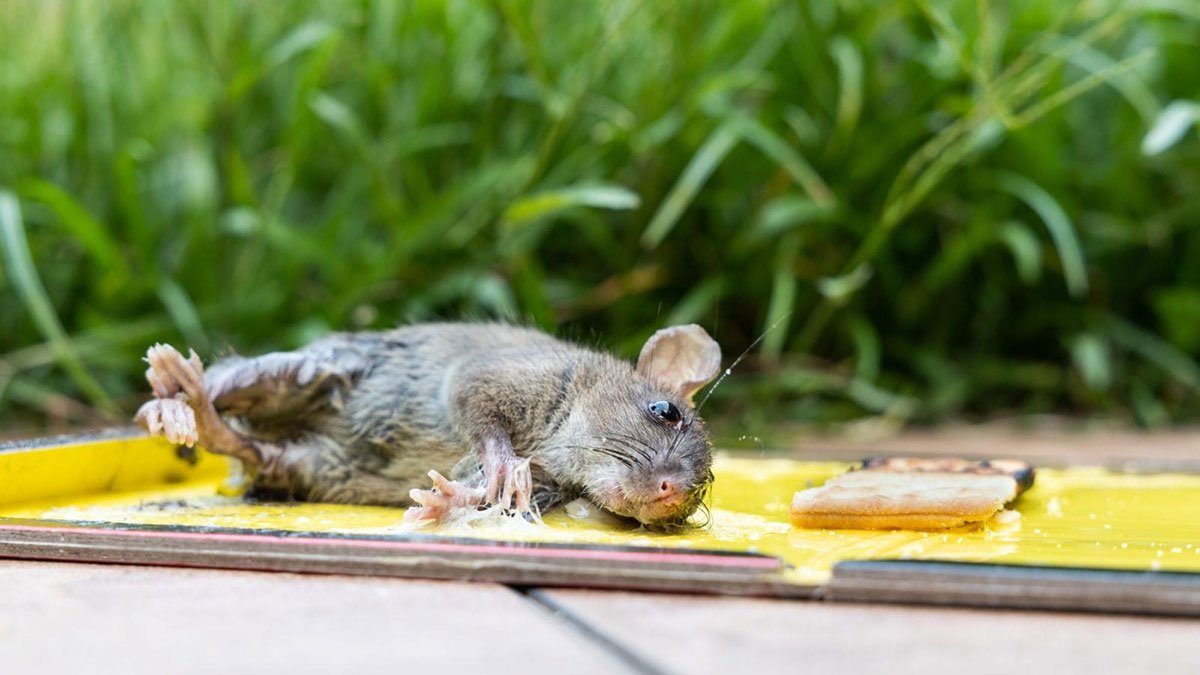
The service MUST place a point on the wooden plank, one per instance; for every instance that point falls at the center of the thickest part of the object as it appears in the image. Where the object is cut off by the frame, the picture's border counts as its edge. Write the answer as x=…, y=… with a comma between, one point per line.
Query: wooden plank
x=74, y=618
x=414, y=555
x=1015, y=586
x=688, y=634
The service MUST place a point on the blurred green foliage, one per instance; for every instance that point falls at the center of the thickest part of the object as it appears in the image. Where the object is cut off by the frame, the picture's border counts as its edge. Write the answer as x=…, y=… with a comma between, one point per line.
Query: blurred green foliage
x=941, y=208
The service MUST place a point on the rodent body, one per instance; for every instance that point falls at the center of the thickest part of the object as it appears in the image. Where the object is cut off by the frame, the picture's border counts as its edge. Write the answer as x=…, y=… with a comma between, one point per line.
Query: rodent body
x=511, y=412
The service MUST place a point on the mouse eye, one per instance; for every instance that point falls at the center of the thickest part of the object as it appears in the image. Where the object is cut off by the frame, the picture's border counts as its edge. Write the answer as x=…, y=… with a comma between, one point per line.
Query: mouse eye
x=666, y=411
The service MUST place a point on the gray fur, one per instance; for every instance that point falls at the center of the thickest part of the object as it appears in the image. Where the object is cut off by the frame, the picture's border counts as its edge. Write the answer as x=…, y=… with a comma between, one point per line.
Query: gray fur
x=361, y=418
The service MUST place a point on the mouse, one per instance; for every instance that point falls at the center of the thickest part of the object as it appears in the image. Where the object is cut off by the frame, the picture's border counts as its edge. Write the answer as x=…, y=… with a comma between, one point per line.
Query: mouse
x=493, y=414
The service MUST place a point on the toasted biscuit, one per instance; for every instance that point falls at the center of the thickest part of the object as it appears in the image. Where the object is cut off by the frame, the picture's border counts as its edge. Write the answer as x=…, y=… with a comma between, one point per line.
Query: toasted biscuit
x=904, y=493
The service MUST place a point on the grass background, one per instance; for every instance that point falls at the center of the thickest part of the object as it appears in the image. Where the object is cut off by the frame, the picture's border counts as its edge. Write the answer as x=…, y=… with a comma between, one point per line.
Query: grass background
x=943, y=209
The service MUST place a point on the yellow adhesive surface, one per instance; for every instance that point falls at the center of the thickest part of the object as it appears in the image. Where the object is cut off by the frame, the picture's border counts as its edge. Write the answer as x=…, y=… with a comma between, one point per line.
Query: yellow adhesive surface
x=1078, y=517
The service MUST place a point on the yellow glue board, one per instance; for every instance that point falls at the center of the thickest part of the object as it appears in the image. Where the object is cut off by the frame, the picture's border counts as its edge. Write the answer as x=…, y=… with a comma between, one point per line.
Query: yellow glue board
x=1080, y=517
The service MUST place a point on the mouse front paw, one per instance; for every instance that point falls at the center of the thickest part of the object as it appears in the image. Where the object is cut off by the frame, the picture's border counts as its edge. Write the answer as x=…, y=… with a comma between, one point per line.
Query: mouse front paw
x=436, y=504
x=509, y=482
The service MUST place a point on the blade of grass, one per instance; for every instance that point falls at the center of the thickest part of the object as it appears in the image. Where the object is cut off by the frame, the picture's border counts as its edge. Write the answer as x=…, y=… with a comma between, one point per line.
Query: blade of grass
x=544, y=204
x=94, y=344
x=868, y=352
x=183, y=313
x=1174, y=363
x=1026, y=250
x=1134, y=89
x=1062, y=232
x=783, y=300
x=850, y=90
x=303, y=38
x=76, y=221
x=24, y=276
x=338, y=116
x=51, y=403
x=773, y=146
x=961, y=140
x=780, y=216
x=837, y=290
x=1021, y=79
x=1090, y=354
x=696, y=305
x=1080, y=87
x=1170, y=126
x=703, y=164
x=89, y=345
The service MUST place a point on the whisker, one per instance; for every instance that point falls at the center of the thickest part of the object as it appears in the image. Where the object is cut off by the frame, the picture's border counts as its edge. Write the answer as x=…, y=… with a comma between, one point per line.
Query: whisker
x=679, y=437
x=629, y=437
x=648, y=449
x=674, y=444
x=619, y=457
x=602, y=450
x=622, y=445
x=737, y=361
x=726, y=373
x=610, y=452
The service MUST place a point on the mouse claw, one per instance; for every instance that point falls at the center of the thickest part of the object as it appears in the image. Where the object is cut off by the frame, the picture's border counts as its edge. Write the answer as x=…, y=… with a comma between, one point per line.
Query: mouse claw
x=431, y=506
x=170, y=373
x=509, y=482
x=518, y=485
x=161, y=386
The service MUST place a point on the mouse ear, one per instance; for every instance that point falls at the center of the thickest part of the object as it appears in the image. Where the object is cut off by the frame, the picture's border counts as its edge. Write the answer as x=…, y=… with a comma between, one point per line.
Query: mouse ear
x=683, y=358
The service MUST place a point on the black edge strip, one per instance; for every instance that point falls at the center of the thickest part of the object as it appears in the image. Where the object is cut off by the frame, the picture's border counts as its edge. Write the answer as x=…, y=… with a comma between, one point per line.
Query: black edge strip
x=115, y=433
x=1150, y=592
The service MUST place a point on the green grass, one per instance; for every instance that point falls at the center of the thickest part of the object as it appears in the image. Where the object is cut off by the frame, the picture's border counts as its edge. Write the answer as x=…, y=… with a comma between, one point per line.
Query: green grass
x=944, y=209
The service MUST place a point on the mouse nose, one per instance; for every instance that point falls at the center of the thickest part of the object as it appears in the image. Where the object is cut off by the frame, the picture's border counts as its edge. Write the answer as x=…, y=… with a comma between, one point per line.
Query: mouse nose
x=668, y=491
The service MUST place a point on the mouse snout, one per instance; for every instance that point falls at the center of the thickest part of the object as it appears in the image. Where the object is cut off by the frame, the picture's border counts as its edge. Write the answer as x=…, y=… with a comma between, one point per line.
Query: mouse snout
x=659, y=487
x=661, y=498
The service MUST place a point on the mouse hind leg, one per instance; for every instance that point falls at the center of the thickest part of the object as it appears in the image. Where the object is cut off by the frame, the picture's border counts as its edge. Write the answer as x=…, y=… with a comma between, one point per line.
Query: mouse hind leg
x=278, y=393
x=183, y=412
x=273, y=393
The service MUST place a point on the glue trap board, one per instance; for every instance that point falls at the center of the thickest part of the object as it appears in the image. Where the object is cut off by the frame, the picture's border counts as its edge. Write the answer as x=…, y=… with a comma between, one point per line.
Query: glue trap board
x=1083, y=538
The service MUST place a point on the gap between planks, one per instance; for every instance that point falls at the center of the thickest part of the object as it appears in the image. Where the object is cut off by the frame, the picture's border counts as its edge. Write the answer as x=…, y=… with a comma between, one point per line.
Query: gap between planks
x=587, y=630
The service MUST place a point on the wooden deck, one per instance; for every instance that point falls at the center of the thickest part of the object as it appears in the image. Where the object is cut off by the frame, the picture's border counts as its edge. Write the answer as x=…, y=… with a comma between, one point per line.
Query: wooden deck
x=73, y=618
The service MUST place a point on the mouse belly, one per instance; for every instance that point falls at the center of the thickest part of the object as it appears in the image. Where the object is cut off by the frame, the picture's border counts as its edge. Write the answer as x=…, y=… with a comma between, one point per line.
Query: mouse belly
x=411, y=464
x=319, y=468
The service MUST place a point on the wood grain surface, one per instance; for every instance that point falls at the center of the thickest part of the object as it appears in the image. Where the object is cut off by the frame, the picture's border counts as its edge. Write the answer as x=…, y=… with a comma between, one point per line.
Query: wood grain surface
x=687, y=634
x=78, y=618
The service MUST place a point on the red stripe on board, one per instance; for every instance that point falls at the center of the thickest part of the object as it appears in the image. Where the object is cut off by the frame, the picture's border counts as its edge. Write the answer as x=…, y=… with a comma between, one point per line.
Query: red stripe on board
x=588, y=554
